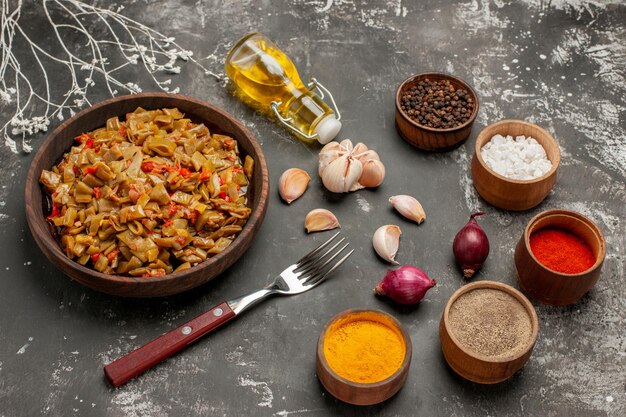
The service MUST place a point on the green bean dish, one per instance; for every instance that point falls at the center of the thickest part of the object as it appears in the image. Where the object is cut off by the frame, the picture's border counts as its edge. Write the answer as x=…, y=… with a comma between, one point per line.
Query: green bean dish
x=148, y=196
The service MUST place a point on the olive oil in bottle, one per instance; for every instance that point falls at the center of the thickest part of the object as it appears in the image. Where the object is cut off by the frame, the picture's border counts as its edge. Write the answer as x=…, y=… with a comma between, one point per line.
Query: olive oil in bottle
x=268, y=77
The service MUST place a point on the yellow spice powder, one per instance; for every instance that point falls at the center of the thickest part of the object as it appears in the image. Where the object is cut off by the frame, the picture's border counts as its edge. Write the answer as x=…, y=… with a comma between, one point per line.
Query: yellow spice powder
x=364, y=351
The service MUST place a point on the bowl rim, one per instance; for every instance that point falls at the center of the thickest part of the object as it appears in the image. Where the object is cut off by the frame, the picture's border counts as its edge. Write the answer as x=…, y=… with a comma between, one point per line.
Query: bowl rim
x=521, y=298
x=48, y=240
x=577, y=217
x=404, y=366
x=444, y=75
x=480, y=142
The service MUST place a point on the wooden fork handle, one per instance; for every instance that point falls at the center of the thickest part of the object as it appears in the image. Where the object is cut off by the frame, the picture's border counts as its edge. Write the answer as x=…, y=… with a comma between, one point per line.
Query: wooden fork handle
x=140, y=360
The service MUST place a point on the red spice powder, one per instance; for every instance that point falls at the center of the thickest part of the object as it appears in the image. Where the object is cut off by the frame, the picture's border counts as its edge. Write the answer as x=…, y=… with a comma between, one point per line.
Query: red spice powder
x=561, y=251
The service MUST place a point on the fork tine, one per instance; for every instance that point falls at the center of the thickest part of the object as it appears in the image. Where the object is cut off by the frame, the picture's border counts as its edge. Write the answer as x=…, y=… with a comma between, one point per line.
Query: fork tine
x=338, y=264
x=316, y=279
x=309, y=255
x=318, y=270
x=314, y=260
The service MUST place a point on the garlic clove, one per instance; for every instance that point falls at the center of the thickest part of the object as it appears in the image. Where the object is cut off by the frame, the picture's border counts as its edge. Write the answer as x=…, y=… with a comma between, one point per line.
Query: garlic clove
x=341, y=174
x=373, y=155
x=356, y=187
x=328, y=154
x=359, y=148
x=363, y=153
x=386, y=241
x=409, y=207
x=292, y=184
x=366, y=156
x=373, y=173
x=347, y=146
x=331, y=146
x=320, y=219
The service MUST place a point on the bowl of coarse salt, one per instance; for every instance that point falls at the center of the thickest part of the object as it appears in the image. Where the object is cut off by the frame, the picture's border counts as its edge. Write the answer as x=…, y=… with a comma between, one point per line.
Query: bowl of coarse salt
x=514, y=165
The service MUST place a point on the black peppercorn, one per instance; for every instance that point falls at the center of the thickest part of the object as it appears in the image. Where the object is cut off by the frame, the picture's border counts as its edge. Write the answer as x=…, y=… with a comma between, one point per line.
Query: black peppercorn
x=437, y=104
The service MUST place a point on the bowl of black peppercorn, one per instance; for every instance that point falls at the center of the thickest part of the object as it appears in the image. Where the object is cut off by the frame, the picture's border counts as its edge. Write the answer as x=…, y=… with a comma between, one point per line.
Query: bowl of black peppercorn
x=435, y=111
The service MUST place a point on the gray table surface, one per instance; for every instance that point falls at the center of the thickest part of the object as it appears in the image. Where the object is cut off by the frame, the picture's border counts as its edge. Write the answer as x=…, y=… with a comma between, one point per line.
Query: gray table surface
x=557, y=63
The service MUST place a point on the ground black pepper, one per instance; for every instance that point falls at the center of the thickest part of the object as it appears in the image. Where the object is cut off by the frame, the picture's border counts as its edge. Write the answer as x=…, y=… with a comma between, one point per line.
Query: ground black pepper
x=491, y=322
x=437, y=104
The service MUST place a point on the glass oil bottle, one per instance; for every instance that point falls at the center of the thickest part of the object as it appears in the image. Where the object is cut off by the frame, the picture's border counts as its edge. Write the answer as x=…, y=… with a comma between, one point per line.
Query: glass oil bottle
x=265, y=75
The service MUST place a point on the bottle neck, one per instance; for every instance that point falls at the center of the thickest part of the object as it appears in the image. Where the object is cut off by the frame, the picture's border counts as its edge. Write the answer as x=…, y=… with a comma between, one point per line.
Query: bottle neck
x=310, y=115
x=304, y=101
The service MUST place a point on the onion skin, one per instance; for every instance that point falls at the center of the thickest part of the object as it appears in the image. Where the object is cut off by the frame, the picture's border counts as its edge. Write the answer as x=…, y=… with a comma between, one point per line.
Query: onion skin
x=471, y=247
x=406, y=285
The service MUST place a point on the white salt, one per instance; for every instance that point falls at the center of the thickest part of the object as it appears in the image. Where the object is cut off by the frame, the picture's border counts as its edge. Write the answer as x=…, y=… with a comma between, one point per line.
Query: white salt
x=522, y=158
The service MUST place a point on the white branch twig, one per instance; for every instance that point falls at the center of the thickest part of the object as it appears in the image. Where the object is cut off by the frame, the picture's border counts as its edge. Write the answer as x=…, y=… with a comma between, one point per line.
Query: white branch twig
x=30, y=106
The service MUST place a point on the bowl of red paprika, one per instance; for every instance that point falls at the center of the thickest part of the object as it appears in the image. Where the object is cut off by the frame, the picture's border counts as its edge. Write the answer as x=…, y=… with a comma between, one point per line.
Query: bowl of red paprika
x=559, y=256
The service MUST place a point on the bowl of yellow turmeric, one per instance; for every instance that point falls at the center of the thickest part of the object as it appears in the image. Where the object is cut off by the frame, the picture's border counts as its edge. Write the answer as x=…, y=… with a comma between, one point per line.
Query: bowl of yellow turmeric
x=363, y=356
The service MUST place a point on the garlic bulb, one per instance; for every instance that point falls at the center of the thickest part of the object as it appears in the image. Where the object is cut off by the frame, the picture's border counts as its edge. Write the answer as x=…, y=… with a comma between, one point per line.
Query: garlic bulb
x=409, y=207
x=386, y=241
x=320, y=219
x=344, y=167
x=292, y=184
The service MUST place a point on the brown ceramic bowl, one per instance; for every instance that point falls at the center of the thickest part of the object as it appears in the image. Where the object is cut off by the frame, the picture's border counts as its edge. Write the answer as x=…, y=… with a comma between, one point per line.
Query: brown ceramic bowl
x=428, y=138
x=479, y=368
x=354, y=392
x=95, y=116
x=507, y=193
x=546, y=285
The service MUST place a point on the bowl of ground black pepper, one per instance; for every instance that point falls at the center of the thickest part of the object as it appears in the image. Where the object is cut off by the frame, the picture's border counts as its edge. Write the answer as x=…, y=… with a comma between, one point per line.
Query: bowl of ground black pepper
x=435, y=111
x=487, y=331
x=559, y=256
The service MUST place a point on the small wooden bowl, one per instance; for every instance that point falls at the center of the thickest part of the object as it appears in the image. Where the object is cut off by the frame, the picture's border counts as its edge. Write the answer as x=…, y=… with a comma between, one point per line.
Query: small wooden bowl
x=479, y=368
x=354, y=392
x=507, y=193
x=546, y=285
x=95, y=116
x=428, y=138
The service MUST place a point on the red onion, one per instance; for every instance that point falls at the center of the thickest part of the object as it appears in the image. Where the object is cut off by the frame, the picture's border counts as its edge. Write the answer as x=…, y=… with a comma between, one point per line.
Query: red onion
x=470, y=246
x=405, y=285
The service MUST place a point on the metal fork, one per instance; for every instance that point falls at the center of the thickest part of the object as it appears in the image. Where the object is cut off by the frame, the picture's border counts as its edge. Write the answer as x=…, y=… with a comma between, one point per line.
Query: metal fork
x=303, y=275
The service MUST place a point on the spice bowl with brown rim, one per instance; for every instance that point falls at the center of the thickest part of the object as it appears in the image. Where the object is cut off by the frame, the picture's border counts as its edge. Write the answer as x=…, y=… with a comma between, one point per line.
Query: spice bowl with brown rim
x=504, y=334
x=507, y=193
x=425, y=137
x=359, y=393
x=545, y=284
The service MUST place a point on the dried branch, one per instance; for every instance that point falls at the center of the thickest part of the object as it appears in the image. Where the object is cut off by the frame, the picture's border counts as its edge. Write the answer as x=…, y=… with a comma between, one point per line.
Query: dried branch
x=125, y=41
